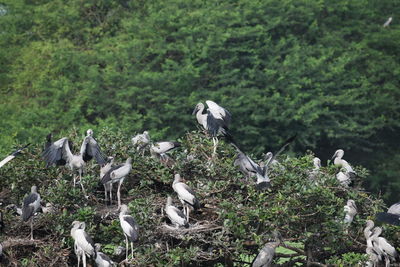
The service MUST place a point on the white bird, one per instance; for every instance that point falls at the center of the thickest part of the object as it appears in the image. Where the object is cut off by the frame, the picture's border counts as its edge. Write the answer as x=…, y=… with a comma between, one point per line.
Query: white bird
x=159, y=150
x=59, y=153
x=129, y=227
x=344, y=178
x=117, y=174
x=338, y=161
x=373, y=257
x=12, y=155
x=103, y=170
x=175, y=215
x=384, y=245
x=387, y=22
x=141, y=141
x=267, y=253
x=317, y=165
x=30, y=206
x=351, y=210
x=186, y=195
x=102, y=260
x=368, y=229
x=392, y=216
x=215, y=122
x=83, y=243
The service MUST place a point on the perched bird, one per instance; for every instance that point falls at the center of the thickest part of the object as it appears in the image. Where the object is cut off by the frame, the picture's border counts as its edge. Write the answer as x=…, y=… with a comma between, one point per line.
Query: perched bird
x=159, y=151
x=266, y=255
x=246, y=165
x=338, y=161
x=117, y=174
x=387, y=22
x=317, y=165
x=186, y=195
x=141, y=141
x=175, y=215
x=103, y=170
x=59, y=153
x=83, y=245
x=389, y=251
x=129, y=227
x=351, y=210
x=30, y=206
x=344, y=178
x=102, y=260
x=373, y=257
x=392, y=216
x=215, y=122
x=368, y=229
x=12, y=155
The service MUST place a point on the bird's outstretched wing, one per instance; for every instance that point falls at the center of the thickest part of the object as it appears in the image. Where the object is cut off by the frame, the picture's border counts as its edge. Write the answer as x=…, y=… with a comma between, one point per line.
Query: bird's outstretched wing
x=91, y=149
x=12, y=155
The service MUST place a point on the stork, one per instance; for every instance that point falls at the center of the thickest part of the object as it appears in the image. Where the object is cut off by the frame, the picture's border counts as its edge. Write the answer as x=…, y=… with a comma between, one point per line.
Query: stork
x=338, y=161
x=373, y=257
x=246, y=165
x=351, y=210
x=103, y=170
x=215, y=122
x=392, y=216
x=388, y=250
x=266, y=255
x=129, y=227
x=141, y=141
x=30, y=206
x=317, y=165
x=117, y=174
x=186, y=195
x=175, y=215
x=387, y=22
x=59, y=153
x=159, y=150
x=12, y=155
x=102, y=260
x=83, y=244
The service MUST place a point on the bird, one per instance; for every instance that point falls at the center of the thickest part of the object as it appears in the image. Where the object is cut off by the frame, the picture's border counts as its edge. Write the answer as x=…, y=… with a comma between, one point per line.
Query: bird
x=175, y=215
x=186, y=195
x=102, y=260
x=30, y=206
x=392, y=216
x=48, y=208
x=117, y=174
x=215, y=122
x=387, y=22
x=344, y=178
x=246, y=165
x=12, y=155
x=266, y=255
x=351, y=210
x=141, y=141
x=159, y=150
x=83, y=243
x=373, y=257
x=59, y=153
x=103, y=170
x=368, y=229
x=271, y=157
x=384, y=245
x=317, y=165
x=338, y=161
x=129, y=227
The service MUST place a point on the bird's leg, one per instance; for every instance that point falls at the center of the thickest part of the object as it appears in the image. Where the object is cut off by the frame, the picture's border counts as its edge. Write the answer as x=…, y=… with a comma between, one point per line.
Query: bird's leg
x=126, y=245
x=119, y=193
x=74, y=179
x=81, y=182
x=84, y=259
x=187, y=213
x=132, y=250
x=105, y=193
x=215, y=141
x=111, y=187
x=32, y=228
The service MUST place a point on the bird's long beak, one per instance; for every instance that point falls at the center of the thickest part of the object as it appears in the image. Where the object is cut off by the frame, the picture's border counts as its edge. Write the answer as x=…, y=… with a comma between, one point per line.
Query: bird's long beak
x=195, y=110
x=334, y=155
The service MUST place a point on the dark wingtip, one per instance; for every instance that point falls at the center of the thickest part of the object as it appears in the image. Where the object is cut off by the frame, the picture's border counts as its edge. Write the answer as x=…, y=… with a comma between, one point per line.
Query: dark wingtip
x=352, y=175
x=18, y=151
x=389, y=218
x=176, y=144
x=263, y=186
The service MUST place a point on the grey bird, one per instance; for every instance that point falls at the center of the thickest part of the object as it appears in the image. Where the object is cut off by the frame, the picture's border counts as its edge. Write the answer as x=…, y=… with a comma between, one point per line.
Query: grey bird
x=266, y=255
x=186, y=195
x=102, y=260
x=392, y=216
x=129, y=227
x=12, y=155
x=351, y=210
x=215, y=122
x=117, y=174
x=141, y=141
x=103, y=170
x=159, y=150
x=175, y=215
x=30, y=206
x=83, y=243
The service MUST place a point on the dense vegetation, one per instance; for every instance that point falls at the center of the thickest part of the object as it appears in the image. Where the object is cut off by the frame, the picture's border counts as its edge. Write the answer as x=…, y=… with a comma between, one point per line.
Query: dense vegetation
x=234, y=222
x=326, y=70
